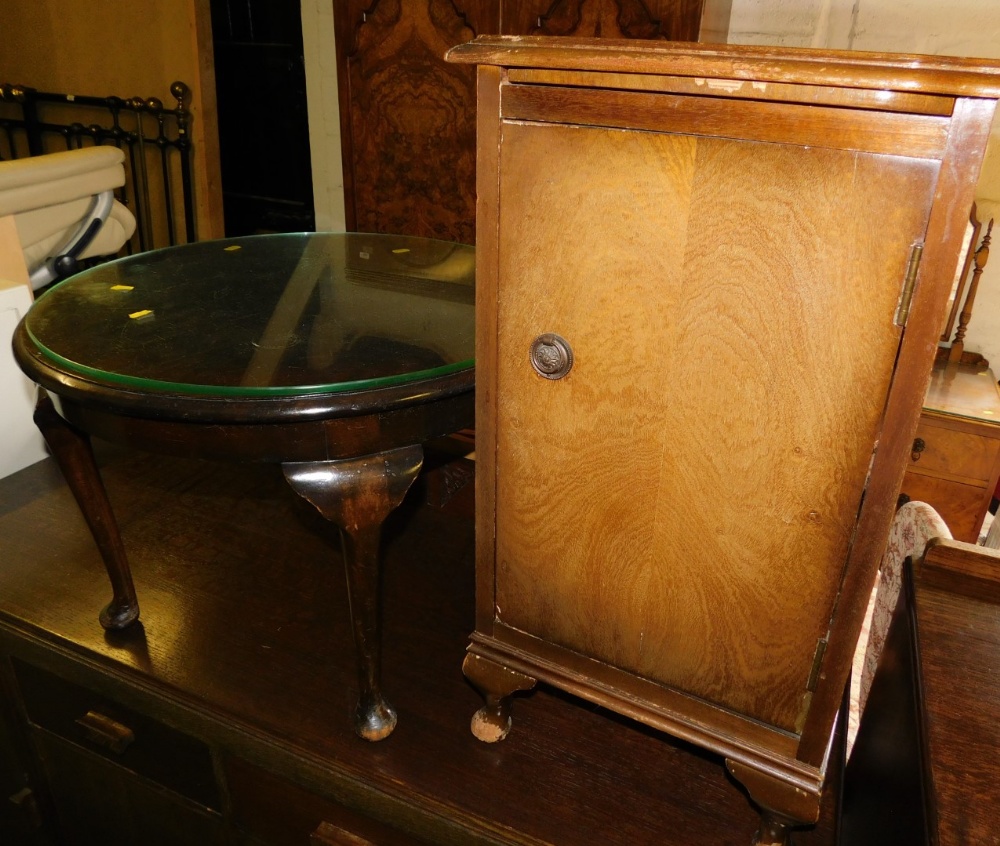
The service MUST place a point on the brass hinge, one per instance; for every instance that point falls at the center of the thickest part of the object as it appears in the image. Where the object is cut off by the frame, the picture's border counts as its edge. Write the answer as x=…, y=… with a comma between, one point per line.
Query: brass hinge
x=903, y=309
x=817, y=663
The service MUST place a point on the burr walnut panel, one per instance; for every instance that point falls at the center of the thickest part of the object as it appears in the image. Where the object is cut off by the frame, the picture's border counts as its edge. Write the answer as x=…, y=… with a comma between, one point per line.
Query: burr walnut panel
x=675, y=20
x=409, y=113
x=408, y=118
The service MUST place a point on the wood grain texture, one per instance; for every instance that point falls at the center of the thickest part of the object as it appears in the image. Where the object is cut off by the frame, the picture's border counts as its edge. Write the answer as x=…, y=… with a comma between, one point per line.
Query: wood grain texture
x=953, y=196
x=963, y=568
x=924, y=765
x=959, y=646
x=847, y=129
x=246, y=646
x=487, y=259
x=726, y=472
x=955, y=451
x=850, y=69
x=673, y=20
x=410, y=118
x=957, y=468
x=957, y=391
x=893, y=101
x=960, y=505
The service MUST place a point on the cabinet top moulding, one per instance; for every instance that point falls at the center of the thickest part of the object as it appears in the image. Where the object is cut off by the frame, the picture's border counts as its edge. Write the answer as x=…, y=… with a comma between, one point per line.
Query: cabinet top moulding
x=945, y=75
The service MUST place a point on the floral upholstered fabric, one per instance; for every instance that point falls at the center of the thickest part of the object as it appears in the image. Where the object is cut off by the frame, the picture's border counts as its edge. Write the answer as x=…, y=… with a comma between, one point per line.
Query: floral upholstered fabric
x=913, y=526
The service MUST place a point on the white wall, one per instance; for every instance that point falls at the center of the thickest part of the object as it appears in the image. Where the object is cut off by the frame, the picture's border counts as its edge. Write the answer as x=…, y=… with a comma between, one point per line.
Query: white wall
x=955, y=28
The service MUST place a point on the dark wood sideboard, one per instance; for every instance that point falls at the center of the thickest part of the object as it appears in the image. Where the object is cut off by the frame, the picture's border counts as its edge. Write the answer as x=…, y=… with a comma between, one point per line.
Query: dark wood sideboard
x=225, y=716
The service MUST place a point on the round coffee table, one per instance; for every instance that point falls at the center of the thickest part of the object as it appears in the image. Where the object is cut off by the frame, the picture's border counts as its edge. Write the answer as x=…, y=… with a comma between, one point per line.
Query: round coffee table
x=335, y=355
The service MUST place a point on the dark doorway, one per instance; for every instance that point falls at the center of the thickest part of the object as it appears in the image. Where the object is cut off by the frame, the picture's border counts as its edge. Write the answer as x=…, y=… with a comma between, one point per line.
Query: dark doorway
x=263, y=119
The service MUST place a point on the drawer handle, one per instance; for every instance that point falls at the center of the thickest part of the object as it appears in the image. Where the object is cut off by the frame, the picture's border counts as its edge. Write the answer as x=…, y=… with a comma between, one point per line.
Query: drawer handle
x=106, y=732
x=328, y=834
x=25, y=801
x=919, y=445
x=551, y=356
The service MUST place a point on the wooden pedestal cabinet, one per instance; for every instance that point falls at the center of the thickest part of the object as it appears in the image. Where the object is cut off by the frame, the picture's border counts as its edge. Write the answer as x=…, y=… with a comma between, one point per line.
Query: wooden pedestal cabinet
x=710, y=283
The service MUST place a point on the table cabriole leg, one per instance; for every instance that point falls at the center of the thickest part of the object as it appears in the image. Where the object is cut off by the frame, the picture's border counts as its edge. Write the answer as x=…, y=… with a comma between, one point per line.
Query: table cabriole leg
x=75, y=456
x=357, y=494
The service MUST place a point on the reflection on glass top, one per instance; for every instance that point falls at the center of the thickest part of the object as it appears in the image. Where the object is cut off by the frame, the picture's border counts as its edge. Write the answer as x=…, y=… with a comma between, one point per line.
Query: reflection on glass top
x=961, y=391
x=266, y=315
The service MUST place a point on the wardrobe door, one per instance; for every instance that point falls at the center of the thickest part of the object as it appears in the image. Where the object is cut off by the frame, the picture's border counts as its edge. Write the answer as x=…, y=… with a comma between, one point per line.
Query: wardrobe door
x=672, y=20
x=408, y=118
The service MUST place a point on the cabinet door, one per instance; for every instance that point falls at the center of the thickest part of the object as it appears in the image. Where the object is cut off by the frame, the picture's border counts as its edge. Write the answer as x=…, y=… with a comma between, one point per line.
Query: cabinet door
x=20, y=815
x=680, y=505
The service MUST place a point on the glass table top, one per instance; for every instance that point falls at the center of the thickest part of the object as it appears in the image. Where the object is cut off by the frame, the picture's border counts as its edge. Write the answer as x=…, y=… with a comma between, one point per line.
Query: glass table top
x=266, y=315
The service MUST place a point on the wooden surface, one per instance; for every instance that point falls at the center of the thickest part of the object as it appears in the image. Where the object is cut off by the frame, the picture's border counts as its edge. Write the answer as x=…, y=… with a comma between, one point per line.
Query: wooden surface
x=685, y=528
x=957, y=465
x=844, y=68
x=673, y=20
x=958, y=634
x=924, y=766
x=610, y=576
x=409, y=119
x=245, y=647
x=959, y=391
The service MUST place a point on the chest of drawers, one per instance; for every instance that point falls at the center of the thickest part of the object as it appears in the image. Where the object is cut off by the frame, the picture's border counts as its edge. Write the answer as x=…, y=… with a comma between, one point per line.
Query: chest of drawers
x=955, y=460
x=709, y=286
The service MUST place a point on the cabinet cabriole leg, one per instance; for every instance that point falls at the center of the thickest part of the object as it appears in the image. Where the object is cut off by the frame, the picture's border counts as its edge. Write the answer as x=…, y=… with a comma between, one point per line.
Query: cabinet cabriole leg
x=783, y=806
x=497, y=684
x=773, y=831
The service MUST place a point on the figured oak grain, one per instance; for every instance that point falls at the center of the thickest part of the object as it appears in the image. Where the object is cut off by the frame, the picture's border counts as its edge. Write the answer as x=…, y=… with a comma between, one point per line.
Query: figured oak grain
x=685, y=522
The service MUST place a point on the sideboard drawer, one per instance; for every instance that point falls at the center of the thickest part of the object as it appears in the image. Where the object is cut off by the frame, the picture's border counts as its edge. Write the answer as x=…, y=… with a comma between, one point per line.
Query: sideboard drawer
x=119, y=734
x=277, y=812
x=960, y=506
x=958, y=454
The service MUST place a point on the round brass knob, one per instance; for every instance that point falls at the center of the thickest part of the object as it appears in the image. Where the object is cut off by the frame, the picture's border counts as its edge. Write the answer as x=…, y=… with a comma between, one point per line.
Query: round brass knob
x=551, y=356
